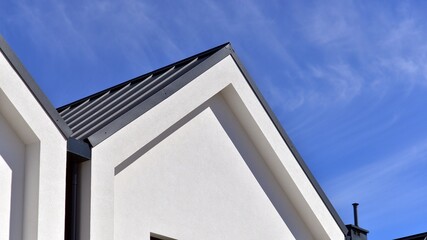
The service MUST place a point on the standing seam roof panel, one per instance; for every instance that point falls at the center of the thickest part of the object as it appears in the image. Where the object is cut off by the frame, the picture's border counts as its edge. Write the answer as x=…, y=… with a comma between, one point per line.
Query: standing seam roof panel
x=88, y=116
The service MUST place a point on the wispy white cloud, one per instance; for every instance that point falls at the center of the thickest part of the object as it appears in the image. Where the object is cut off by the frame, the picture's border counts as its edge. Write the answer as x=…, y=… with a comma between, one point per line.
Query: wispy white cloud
x=360, y=55
x=401, y=31
x=325, y=24
x=134, y=31
x=334, y=84
x=287, y=99
x=330, y=80
x=52, y=29
x=392, y=182
x=403, y=51
x=343, y=82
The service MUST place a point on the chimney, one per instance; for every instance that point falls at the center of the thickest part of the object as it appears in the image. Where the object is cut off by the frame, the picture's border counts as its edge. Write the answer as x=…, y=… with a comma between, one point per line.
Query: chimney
x=354, y=231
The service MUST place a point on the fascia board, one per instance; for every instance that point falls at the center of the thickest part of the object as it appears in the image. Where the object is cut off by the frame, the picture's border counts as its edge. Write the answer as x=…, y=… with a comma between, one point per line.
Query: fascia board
x=34, y=88
x=290, y=144
x=79, y=148
x=170, y=89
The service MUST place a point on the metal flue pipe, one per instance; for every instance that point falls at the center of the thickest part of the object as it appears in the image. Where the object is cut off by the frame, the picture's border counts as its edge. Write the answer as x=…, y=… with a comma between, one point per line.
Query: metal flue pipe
x=356, y=222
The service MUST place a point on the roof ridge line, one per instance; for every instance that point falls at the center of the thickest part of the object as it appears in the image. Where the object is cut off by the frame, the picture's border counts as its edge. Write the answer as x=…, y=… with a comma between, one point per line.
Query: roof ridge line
x=153, y=72
x=218, y=54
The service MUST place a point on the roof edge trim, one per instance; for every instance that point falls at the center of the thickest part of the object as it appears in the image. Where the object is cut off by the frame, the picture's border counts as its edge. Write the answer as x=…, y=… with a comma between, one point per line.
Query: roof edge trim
x=290, y=144
x=220, y=53
x=79, y=148
x=34, y=88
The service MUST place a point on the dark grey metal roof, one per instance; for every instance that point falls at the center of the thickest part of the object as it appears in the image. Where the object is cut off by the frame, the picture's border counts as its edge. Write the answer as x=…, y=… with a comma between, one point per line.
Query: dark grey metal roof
x=87, y=116
x=33, y=87
x=100, y=115
x=420, y=236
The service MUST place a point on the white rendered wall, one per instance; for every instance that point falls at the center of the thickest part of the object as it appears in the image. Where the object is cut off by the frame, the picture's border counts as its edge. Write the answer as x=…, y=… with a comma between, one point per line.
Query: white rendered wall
x=19, y=167
x=12, y=179
x=271, y=163
x=32, y=164
x=197, y=184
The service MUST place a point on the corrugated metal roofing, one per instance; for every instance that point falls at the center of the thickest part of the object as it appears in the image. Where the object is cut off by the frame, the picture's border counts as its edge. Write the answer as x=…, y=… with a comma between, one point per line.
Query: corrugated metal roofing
x=90, y=114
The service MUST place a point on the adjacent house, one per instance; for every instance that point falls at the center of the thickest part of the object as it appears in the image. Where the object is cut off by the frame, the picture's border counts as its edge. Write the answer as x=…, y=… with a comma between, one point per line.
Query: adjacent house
x=420, y=236
x=188, y=151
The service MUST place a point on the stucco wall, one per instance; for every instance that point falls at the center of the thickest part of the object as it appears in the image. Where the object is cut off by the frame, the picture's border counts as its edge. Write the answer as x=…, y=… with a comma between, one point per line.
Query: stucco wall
x=32, y=164
x=197, y=183
x=12, y=179
x=19, y=167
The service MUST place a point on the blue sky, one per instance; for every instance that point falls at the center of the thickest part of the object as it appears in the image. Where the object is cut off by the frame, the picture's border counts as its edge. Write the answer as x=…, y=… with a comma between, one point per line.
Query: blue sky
x=347, y=79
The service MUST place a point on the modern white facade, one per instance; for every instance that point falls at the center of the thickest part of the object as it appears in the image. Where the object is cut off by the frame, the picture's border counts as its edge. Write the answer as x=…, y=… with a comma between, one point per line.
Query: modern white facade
x=32, y=158
x=192, y=152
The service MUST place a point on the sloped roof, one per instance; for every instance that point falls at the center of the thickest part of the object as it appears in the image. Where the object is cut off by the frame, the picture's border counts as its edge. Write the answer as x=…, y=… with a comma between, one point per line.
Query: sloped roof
x=33, y=87
x=87, y=116
x=96, y=117
x=420, y=236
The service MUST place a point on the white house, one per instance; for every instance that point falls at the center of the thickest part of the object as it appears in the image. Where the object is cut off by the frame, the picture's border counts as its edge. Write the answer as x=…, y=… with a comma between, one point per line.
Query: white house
x=190, y=151
x=33, y=156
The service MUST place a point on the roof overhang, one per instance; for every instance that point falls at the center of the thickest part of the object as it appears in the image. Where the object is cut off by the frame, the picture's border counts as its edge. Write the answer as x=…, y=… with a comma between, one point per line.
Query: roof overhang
x=34, y=88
